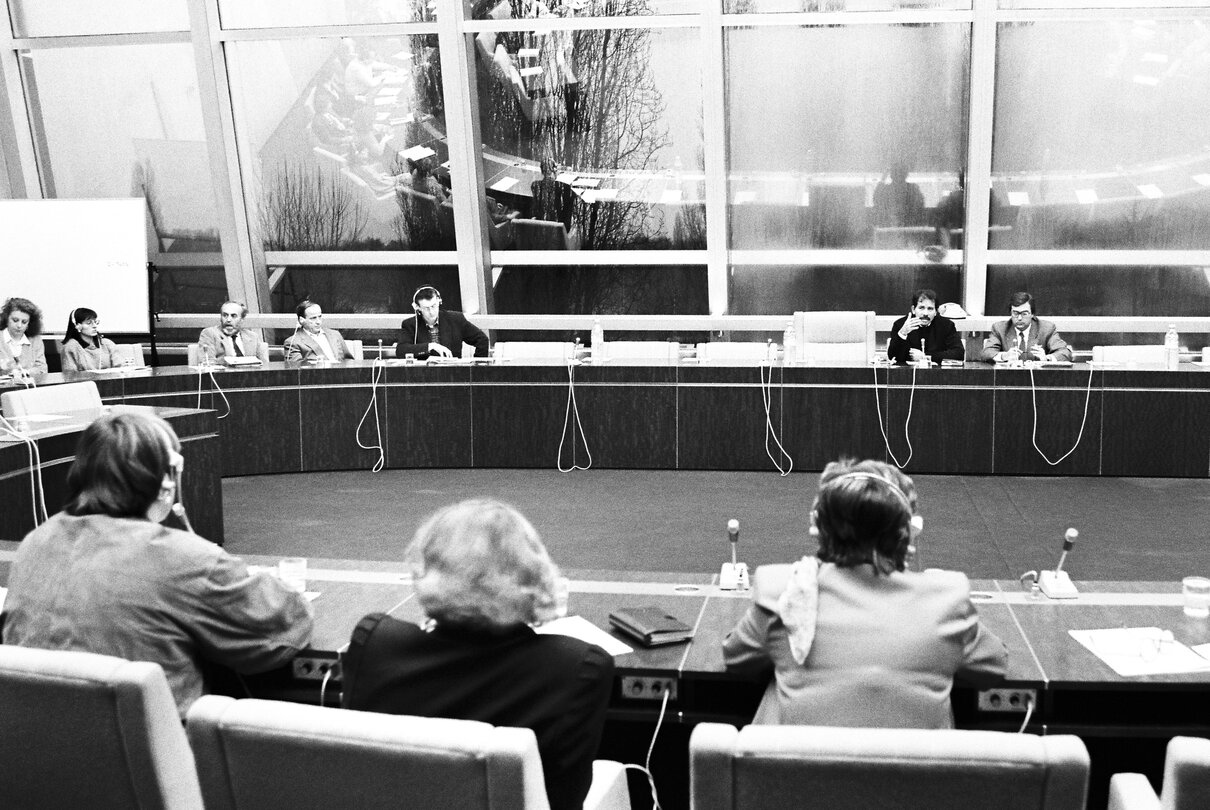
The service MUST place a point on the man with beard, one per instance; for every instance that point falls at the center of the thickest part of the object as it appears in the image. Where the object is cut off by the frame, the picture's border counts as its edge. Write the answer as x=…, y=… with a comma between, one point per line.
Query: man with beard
x=230, y=339
x=923, y=333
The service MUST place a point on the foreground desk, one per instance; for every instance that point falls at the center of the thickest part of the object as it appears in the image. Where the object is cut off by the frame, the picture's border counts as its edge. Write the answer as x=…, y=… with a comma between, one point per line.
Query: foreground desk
x=971, y=420
x=56, y=441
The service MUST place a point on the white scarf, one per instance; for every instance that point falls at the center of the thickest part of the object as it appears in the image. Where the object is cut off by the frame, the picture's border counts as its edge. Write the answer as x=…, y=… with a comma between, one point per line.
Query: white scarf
x=798, y=606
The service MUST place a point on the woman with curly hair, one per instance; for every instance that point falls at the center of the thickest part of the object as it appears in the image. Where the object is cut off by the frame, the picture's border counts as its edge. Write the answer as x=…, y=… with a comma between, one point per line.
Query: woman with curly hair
x=20, y=342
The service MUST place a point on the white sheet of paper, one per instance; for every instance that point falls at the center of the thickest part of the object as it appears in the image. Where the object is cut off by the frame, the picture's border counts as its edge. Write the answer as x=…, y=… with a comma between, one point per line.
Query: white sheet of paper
x=586, y=182
x=1018, y=198
x=416, y=152
x=1133, y=651
x=581, y=628
x=566, y=177
x=504, y=184
x=742, y=197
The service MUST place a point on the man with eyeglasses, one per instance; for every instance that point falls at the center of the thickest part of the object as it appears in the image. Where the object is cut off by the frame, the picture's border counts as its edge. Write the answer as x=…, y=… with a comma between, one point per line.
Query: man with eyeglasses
x=1024, y=337
x=433, y=332
x=311, y=342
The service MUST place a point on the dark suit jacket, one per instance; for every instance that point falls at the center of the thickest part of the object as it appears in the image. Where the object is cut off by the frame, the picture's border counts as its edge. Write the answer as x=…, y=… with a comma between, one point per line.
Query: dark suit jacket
x=1041, y=333
x=940, y=336
x=556, y=685
x=453, y=329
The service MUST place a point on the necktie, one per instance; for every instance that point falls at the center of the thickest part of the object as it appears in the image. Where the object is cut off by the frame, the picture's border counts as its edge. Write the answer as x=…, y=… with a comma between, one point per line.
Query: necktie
x=1021, y=342
x=235, y=344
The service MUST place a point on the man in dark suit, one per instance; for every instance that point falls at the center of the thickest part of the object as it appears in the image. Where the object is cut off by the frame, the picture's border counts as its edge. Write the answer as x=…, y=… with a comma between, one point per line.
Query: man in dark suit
x=1023, y=336
x=922, y=333
x=431, y=332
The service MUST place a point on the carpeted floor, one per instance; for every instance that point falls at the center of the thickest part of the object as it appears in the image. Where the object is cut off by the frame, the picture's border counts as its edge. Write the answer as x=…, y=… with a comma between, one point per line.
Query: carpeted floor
x=1130, y=528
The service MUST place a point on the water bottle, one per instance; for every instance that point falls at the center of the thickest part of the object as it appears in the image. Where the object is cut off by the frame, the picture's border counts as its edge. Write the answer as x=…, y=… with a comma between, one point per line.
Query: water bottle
x=1172, y=348
x=789, y=344
x=598, y=341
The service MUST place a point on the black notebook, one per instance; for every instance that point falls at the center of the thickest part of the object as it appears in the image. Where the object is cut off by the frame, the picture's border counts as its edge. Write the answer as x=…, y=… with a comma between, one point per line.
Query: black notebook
x=650, y=625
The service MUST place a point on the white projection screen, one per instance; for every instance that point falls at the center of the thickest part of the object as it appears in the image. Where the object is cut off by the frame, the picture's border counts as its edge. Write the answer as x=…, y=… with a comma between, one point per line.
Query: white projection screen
x=63, y=254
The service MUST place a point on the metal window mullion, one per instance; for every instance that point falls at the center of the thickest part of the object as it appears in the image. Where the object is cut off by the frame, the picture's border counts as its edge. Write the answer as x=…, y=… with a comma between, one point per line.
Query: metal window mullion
x=16, y=134
x=714, y=133
x=981, y=104
x=243, y=257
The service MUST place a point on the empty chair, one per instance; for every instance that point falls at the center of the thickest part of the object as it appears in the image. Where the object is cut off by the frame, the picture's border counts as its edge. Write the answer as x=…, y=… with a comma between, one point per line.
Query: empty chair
x=132, y=353
x=84, y=730
x=262, y=754
x=539, y=234
x=640, y=350
x=859, y=768
x=748, y=351
x=534, y=350
x=66, y=398
x=1128, y=354
x=1186, y=780
x=834, y=337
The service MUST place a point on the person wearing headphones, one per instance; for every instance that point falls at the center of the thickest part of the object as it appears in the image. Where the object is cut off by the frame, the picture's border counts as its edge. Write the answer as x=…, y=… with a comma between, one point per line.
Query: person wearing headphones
x=84, y=348
x=311, y=342
x=104, y=576
x=852, y=636
x=433, y=333
x=230, y=339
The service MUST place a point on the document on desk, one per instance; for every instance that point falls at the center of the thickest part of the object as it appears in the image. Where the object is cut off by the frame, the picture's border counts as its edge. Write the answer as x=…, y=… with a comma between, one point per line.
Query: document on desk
x=504, y=184
x=581, y=628
x=1132, y=651
x=417, y=153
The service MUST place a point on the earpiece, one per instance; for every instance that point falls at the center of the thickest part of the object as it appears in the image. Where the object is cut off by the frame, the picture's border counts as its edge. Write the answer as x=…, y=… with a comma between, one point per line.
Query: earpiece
x=427, y=288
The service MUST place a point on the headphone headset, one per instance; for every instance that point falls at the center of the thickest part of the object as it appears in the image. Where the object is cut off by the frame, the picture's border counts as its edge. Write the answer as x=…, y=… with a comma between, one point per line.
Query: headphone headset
x=914, y=521
x=426, y=288
x=170, y=487
x=96, y=341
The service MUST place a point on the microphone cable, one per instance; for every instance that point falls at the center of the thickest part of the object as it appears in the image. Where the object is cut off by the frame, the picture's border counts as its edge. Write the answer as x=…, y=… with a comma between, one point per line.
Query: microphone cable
x=209, y=370
x=375, y=376
x=766, y=395
x=572, y=407
x=906, y=422
x=1033, y=391
x=1029, y=712
x=645, y=769
x=37, y=490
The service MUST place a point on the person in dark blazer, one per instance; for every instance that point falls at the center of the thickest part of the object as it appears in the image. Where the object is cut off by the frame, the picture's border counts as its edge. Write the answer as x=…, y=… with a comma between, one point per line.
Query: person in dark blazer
x=853, y=637
x=436, y=332
x=1024, y=336
x=483, y=578
x=923, y=333
x=311, y=342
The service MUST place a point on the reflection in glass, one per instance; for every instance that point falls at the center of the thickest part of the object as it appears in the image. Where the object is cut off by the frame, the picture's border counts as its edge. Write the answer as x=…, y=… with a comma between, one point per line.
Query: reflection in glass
x=124, y=121
x=536, y=9
x=844, y=136
x=786, y=6
x=349, y=141
x=616, y=117
x=365, y=290
x=1100, y=134
x=187, y=289
x=614, y=290
x=60, y=18
x=781, y=290
x=270, y=13
x=1108, y=291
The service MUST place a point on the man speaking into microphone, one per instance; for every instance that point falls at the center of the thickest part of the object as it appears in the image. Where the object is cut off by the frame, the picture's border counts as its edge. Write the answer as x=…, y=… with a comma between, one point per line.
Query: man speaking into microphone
x=923, y=333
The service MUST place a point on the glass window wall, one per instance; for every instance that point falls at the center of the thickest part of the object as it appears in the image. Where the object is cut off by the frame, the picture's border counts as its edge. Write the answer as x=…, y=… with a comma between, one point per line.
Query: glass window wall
x=845, y=136
x=885, y=289
x=58, y=18
x=267, y=13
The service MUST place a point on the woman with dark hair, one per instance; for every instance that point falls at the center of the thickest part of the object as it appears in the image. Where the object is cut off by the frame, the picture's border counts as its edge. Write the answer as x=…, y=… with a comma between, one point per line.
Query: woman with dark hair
x=20, y=344
x=104, y=575
x=84, y=348
x=483, y=578
x=852, y=636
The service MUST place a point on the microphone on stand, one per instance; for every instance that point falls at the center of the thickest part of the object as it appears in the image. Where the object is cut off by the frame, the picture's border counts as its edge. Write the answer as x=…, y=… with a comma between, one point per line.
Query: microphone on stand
x=734, y=575
x=1057, y=584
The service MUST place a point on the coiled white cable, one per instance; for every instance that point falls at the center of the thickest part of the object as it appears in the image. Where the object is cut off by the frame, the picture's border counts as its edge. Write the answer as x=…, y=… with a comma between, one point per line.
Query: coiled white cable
x=375, y=377
x=572, y=407
x=37, y=491
x=766, y=394
x=906, y=422
x=1033, y=390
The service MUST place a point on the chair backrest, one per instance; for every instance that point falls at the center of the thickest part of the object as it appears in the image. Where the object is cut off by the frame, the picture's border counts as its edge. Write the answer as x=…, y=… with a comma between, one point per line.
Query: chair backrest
x=533, y=350
x=263, y=754
x=641, y=350
x=850, y=768
x=84, y=730
x=66, y=398
x=539, y=234
x=356, y=349
x=1128, y=354
x=841, y=337
x=749, y=350
x=131, y=352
